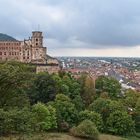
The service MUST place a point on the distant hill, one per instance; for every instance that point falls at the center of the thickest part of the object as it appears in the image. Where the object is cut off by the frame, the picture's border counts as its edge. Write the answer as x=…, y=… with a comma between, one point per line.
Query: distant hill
x=4, y=37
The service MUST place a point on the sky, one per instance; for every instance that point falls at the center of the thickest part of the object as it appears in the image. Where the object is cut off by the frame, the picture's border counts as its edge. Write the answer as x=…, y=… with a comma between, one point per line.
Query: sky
x=76, y=27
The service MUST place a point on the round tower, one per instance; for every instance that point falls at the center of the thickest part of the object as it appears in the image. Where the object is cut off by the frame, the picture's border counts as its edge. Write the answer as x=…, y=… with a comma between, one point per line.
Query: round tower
x=37, y=39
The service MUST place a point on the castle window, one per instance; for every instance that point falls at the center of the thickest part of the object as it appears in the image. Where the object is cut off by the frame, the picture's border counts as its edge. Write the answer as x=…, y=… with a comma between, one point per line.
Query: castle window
x=4, y=53
x=36, y=39
x=0, y=53
x=36, y=44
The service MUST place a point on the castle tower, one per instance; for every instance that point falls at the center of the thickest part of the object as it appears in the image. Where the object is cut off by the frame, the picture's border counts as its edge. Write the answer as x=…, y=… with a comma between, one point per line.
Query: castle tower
x=37, y=39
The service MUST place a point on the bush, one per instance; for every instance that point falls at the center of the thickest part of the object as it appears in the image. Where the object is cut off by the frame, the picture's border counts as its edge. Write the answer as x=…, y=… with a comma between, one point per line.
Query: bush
x=92, y=116
x=45, y=117
x=85, y=129
x=120, y=123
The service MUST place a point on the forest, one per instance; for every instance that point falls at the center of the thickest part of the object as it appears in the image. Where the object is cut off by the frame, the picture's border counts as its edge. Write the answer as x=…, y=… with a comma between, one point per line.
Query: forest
x=33, y=103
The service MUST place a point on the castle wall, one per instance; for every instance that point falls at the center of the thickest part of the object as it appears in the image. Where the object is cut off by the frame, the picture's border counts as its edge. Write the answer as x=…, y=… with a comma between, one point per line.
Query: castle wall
x=29, y=51
x=48, y=68
x=10, y=50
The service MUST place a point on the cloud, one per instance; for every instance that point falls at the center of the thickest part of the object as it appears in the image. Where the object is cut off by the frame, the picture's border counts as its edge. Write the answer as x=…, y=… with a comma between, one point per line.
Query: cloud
x=92, y=24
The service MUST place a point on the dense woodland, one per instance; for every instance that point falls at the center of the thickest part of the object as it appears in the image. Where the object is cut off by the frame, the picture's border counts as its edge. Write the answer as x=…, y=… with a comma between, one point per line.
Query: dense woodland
x=32, y=103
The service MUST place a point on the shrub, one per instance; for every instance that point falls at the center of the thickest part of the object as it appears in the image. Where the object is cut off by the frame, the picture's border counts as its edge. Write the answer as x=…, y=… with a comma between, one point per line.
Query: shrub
x=92, y=116
x=120, y=123
x=45, y=117
x=85, y=129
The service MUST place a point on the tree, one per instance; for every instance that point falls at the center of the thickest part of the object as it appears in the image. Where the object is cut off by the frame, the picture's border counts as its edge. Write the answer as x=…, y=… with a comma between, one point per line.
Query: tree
x=92, y=116
x=130, y=99
x=120, y=123
x=16, y=121
x=108, y=85
x=15, y=79
x=105, y=107
x=87, y=89
x=45, y=117
x=78, y=102
x=67, y=85
x=137, y=108
x=136, y=116
x=43, y=89
x=101, y=106
x=67, y=115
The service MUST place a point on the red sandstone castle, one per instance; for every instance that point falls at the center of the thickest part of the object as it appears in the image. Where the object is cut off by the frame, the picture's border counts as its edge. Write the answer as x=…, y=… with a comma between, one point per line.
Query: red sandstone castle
x=28, y=51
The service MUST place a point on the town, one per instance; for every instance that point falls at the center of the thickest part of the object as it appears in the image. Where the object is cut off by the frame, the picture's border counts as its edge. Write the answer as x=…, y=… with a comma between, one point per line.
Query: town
x=125, y=70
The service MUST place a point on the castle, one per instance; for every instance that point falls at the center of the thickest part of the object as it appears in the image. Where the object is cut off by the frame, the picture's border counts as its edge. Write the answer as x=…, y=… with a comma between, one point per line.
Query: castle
x=28, y=51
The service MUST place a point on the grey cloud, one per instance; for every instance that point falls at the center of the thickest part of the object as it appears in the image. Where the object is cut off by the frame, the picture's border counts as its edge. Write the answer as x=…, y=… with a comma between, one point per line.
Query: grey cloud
x=95, y=23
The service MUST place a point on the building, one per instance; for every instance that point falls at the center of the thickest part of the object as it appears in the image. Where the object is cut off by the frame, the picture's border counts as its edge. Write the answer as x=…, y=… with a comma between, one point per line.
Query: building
x=28, y=51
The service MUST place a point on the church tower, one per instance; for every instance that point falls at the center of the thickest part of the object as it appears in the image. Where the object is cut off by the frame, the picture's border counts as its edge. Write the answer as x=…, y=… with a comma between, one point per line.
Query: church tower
x=37, y=39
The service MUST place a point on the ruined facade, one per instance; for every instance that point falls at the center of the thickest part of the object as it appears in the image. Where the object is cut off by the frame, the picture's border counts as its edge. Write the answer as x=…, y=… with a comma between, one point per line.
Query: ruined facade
x=29, y=51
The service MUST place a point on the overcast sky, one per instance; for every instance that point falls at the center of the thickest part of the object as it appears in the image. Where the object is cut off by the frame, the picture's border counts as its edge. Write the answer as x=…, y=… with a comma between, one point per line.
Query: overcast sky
x=76, y=27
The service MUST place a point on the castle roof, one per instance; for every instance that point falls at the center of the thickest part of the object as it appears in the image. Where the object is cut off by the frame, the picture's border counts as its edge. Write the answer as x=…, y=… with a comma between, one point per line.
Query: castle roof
x=4, y=37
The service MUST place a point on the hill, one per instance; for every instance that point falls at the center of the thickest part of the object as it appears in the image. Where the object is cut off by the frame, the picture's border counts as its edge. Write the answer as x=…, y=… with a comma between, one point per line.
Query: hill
x=4, y=37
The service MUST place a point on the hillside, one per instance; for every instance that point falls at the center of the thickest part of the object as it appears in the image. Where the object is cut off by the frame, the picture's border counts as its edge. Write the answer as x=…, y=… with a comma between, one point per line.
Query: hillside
x=61, y=136
x=4, y=37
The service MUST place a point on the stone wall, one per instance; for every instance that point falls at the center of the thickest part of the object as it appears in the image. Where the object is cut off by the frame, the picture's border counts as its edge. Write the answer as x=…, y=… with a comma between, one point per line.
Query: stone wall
x=50, y=69
x=29, y=51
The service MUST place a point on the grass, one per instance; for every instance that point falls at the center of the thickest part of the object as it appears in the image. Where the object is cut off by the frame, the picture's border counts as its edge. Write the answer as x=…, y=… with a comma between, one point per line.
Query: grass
x=60, y=136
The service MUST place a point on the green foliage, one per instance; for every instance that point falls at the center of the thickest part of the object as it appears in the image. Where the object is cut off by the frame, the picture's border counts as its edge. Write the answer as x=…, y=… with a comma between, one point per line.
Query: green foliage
x=120, y=123
x=78, y=102
x=109, y=85
x=20, y=87
x=131, y=98
x=136, y=116
x=15, y=79
x=137, y=108
x=101, y=106
x=45, y=117
x=105, y=107
x=85, y=129
x=43, y=89
x=92, y=116
x=66, y=112
x=87, y=89
x=67, y=85
x=15, y=121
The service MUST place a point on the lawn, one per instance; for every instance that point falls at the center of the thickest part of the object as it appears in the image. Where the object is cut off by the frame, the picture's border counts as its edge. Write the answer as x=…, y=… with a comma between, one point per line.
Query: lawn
x=60, y=136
